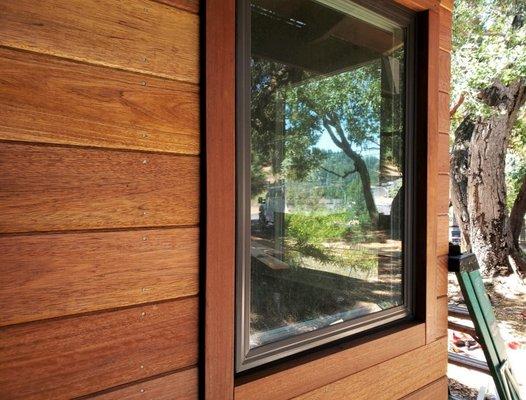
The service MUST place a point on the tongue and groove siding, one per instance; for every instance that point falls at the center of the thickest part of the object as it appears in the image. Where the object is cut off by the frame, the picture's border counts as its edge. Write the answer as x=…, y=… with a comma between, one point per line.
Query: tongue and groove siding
x=99, y=199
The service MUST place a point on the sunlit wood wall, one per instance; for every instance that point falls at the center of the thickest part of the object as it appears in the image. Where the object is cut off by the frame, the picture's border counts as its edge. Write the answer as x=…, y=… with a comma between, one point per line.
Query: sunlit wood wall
x=99, y=199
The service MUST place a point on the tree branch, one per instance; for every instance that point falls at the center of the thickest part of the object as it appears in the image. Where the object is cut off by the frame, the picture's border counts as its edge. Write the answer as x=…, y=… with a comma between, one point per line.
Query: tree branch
x=345, y=145
x=343, y=176
x=459, y=102
x=329, y=129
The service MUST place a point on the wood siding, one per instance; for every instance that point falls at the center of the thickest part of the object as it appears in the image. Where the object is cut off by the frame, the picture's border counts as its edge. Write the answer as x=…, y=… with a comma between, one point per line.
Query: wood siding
x=85, y=105
x=99, y=199
x=99, y=214
x=392, y=379
x=434, y=391
x=300, y=379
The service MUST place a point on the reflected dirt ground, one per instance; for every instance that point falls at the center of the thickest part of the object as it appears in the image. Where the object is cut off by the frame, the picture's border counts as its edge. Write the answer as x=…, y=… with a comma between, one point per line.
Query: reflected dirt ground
x=292, y=295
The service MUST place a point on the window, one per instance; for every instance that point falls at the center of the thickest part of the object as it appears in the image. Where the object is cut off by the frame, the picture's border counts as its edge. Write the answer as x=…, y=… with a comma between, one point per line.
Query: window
x=323, y=154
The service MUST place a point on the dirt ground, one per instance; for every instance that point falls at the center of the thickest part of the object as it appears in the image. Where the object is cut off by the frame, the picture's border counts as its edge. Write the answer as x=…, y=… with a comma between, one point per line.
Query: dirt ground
x=508, y=297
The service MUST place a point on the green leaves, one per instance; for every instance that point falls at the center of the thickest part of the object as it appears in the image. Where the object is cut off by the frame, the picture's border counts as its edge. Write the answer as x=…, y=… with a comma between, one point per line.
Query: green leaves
x=489, y=43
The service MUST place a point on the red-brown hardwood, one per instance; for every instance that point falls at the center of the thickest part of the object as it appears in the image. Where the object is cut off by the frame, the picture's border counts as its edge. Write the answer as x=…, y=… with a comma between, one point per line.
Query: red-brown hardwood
x=220, y=200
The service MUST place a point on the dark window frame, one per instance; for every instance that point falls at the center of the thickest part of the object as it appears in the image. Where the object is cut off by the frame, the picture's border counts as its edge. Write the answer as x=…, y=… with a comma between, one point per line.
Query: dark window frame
x=246, y=359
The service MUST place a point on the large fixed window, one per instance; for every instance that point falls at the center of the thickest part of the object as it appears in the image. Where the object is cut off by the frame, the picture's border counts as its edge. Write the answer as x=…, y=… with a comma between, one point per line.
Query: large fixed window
x=323, y=173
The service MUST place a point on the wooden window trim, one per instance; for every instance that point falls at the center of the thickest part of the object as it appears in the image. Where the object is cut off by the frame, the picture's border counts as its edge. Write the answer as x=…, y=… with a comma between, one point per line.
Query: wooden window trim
x=220, y=183
x=219, y=93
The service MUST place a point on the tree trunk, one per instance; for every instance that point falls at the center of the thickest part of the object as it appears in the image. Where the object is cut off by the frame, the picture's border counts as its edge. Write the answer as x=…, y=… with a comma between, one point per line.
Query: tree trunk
x=362, y=170
x=486, y=194
x=341, y=141
x=459, y=165
x=489, y=232
x=516, y=222
x=517, y=213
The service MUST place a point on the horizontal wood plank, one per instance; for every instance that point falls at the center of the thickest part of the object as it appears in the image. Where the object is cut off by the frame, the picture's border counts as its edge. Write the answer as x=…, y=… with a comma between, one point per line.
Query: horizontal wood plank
x=442, y=276
x=441, y=317
x=181, y=385
x=442, y=241
x=443, y=199
x=444, y=71
x=443, y=113
x=389, y=380
x=48, y=188
x=419, y=5
x=44, y=99
x=188, y=5
x=137, y=35
x=434, y=391
x=45, y=276
x=443, y=154
x=308, y=376
x=447, y=4
x=66, y=358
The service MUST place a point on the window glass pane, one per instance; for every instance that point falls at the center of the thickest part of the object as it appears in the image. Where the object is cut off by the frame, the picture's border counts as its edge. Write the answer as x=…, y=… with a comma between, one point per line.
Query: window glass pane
x=326, y=169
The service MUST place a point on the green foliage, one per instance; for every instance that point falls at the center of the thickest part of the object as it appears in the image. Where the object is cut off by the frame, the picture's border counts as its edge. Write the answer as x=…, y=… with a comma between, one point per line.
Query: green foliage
x=352, y=99
x=489, y=43
x=316, y=228
x=308, y=235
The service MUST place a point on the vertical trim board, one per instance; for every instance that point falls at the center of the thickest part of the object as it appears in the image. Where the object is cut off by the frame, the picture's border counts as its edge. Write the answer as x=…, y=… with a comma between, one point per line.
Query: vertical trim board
x=432, y=174
x=220, y=200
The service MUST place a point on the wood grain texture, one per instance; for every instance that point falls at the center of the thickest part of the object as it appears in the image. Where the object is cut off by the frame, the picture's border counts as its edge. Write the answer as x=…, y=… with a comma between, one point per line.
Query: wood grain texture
x=443, y=112
x=390, y=380
x=188, y=5
x=446, y=21
x=66, y=358
x=433, y=191
x=444, y=71
x=443, y=193
x=181, y=385
x=418, y=5
x=311, y=375
x=44, y=99
x=443, y=154
x=220, y=200
x=48, y=188
x=442, y=276
x=434, y=391
x=441, y=317
x=46, y=276
x=136, y=35
x=447, y=4
x=442, y=242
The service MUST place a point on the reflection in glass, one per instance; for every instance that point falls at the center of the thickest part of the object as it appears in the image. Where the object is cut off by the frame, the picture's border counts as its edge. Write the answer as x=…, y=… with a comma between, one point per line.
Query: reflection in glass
x=327, y=138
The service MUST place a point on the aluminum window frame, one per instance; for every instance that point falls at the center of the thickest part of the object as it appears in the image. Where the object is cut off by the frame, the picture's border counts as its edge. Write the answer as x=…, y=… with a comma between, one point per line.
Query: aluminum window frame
x=246, y=358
